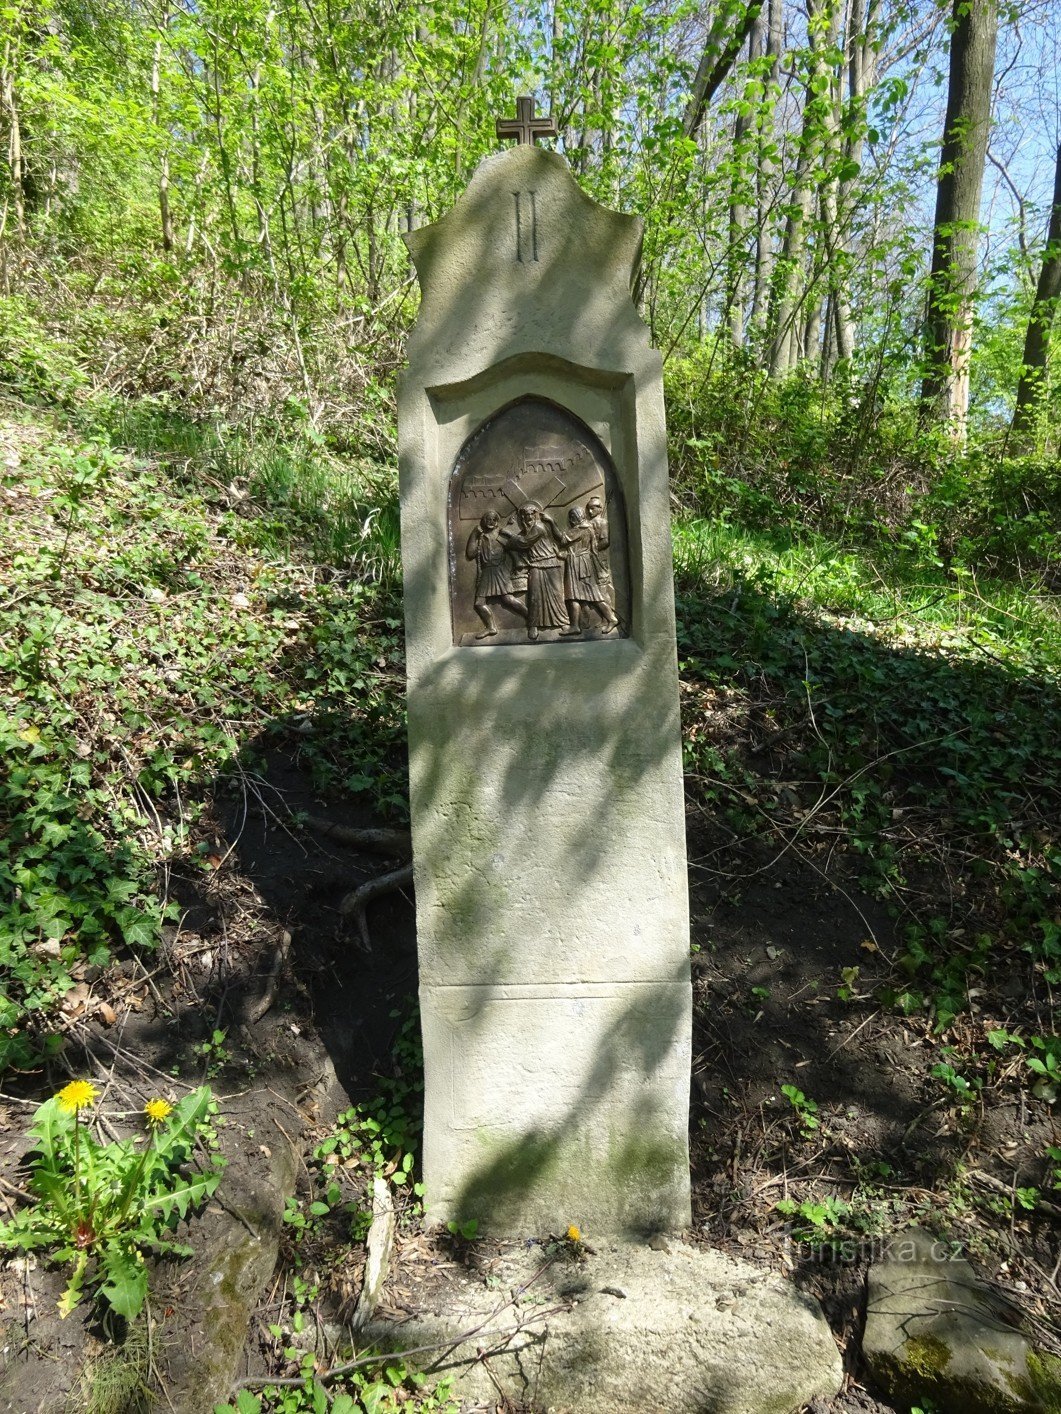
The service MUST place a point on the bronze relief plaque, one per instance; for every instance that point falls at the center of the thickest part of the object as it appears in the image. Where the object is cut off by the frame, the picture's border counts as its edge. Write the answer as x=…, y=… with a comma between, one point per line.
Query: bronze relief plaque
x=537, y=532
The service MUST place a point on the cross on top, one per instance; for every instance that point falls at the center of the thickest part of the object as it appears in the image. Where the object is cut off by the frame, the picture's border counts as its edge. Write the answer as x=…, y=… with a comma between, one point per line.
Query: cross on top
x=525, y=127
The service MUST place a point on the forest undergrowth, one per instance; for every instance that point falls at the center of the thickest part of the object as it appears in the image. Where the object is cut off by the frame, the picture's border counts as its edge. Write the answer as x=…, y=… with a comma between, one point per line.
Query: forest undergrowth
x=871, y=685
x=204, y=302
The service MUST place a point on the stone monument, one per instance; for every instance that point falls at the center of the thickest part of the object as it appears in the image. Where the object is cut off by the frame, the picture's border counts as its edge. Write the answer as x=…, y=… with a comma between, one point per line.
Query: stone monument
x=548, y=834
x=545, y=759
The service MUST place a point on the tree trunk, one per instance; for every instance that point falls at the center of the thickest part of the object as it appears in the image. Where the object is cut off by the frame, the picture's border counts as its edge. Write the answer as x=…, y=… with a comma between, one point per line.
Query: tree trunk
x=812, y=327
x=861, y=74
x=1037, y=341
x=839, y=196
x=738, y=210
x=952, y=283
x=827, y=260
x=829, y=333
x=165, y=218
x=785, y=345
x=721, y=48
x=14, y=141
x=764, y=170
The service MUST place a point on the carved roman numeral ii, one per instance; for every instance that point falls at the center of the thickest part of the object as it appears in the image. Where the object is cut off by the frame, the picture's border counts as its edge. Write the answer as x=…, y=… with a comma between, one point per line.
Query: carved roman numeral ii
x=526, y=213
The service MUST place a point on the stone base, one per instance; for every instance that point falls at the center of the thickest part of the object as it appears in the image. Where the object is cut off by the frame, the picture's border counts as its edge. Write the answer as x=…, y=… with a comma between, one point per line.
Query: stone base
x=624, y=1329
x=554, y=1104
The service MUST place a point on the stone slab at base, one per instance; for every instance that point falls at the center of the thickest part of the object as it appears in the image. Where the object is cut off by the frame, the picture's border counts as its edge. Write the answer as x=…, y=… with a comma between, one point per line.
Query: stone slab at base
x=681, y=1331
x=564, y=1104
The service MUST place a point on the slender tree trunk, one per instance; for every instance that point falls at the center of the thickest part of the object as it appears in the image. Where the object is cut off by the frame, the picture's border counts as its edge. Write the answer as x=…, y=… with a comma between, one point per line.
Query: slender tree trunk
x=829, y=332
x=738, y=210
x=812, y=327
x=784, y=346
x=861, y=74
x=15, y=166
x=165, y=218
x=952, y=283
x=786, y=340
x=1037, y=340
x=721, y=47
x=197, y=201
x=825, y=261
x=227, y=178
x=764, y=171
x=836, y=198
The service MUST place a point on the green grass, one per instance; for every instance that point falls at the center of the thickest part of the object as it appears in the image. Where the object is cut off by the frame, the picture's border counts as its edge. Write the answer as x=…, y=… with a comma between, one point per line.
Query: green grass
x=907, y=715
x=301, y=499
x=900, y=596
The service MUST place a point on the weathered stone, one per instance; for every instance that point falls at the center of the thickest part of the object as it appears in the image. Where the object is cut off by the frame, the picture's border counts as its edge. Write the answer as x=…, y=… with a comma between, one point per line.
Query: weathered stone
x=545, y=769
x=934, y=1333
x=626, y=1331
x=235, y=1255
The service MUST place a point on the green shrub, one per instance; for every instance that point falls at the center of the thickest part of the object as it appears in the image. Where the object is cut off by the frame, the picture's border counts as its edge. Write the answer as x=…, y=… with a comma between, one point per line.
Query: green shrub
x=66, y=891
x=33, y=361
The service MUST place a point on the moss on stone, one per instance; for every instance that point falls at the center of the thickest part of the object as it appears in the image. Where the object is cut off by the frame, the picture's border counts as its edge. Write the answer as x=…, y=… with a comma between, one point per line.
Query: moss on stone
x=648, y=1161
x=926, y=1355
x=919, y=1369
x=496, y=1192
x=1045, y=1373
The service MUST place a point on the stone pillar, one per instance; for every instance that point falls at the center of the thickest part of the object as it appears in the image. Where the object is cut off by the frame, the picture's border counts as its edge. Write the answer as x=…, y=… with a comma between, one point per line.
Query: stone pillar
x=545, y=760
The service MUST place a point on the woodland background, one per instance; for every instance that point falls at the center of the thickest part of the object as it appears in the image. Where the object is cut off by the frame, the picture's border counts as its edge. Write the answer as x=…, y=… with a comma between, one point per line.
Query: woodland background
x=852, y=264
x=207, y=198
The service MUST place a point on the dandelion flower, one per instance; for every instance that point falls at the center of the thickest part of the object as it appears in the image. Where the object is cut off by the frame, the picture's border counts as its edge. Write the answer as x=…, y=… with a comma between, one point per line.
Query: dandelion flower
x=157, y=1110
x=574, y=1234
x=78, y=1095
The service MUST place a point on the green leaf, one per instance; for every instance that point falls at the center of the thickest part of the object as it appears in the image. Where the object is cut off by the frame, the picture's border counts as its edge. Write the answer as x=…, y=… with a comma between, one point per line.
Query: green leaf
x=189, y=1195
x=51, y=1124
x=126, y=1286
x=375, y=1397
x=72, y=1295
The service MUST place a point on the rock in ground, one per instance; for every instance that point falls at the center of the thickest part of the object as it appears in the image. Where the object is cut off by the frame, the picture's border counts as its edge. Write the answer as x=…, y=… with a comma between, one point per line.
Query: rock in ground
x=934, y=1333
x=682, y=1331
x=235, y=1256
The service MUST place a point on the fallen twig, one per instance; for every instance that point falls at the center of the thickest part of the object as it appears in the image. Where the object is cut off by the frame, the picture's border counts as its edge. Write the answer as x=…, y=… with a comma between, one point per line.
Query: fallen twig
x=1041, y=1204
x=851, y=1036
x=451, y=1343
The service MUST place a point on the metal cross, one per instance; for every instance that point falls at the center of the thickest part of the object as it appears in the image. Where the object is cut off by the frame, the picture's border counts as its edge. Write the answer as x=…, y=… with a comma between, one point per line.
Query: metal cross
x=525, y=127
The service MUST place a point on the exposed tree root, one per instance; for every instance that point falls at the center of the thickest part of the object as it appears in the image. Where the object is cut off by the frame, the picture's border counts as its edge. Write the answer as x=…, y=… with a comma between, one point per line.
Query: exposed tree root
x=381, y=841
x=397, y=844
x=272, y=982
x=357, y=900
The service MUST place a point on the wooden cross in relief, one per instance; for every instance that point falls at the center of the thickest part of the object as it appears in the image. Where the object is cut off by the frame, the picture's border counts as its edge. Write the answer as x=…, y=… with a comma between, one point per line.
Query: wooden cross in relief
x=525, y=127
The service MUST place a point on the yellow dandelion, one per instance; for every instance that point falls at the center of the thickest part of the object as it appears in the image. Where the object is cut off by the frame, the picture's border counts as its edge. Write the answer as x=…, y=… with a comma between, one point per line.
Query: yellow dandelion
x=574, y=1234
x=157, y=1110
x=78, y=1095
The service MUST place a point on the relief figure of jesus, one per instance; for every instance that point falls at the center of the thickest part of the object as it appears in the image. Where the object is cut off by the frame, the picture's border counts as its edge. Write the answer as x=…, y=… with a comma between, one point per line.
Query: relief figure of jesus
x=537, y=544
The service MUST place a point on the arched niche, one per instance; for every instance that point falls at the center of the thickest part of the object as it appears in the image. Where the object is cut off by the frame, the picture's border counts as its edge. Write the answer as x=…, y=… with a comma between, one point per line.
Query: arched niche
x=537, y=532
